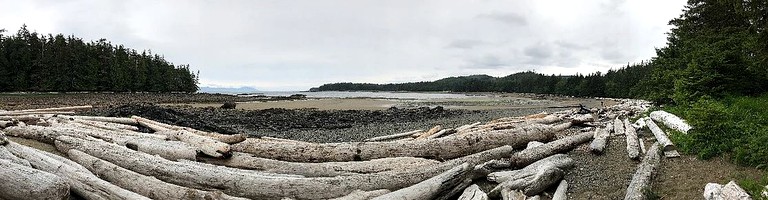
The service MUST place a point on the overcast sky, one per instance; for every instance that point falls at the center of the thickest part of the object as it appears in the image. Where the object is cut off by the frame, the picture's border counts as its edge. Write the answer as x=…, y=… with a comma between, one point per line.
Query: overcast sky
x=295, y=45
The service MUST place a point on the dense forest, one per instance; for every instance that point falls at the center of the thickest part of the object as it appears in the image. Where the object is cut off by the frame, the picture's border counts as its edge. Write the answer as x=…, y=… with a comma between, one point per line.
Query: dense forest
x=30, y=61
x=717, y=48
x=614, y=83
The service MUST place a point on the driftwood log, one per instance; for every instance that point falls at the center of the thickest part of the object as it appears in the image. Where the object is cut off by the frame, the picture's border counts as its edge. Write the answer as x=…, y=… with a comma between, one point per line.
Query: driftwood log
x=661, y=137
x=439, y=148
x=641, y=180
x=430, y=188
x=533, y=183
x=633, y=144
x=618, y=127
x=670, y=120
x=561, y=193
x=158, y=126
x=247, y=161
x=393, y=136
x=561, y=161
x=473, y=192
x=430, y=132
x=206, y=145
x=241, y=184
x=527, y=156
x=7, y=155
x=144, y=185
x=24, y=182
x=81, y=181
x=119, y=120
x=359, y=195
x=600, y=140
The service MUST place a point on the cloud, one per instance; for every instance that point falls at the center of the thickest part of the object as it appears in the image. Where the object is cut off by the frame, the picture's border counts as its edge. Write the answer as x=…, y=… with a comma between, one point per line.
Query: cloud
x=507, y=18
x=295, y=45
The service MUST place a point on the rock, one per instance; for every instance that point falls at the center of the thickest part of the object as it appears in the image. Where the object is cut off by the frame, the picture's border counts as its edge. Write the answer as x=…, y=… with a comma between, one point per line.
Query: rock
x=229, y=105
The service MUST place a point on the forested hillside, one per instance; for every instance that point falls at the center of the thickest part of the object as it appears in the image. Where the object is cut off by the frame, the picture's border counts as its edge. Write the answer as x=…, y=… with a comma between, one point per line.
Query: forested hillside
x=615, y=83
x=30, y=61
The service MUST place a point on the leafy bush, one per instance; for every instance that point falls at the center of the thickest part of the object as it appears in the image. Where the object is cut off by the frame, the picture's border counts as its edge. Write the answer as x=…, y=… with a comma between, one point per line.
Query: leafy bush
x=735, y=126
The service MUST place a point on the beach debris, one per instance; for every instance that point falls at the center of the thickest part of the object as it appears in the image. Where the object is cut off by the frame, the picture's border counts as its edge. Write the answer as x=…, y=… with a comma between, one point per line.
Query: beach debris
x=731, y=190
x=139, y=158
x=670, y=120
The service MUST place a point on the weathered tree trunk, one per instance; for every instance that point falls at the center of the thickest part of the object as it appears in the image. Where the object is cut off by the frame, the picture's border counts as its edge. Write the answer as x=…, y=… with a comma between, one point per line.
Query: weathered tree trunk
x=119, y=120
x=430, y=188
x=80, y=181
x=144, y=185
x=438, y=148
x=528, y=156
x=24, y=182
x=158, y=126
x=641, y=181
x=247, y=161
x=206, y=145
x=441, y=133
x=42, y=110
x=430, y=132
x=531, y=184
x=633, y=145
x=4, y=124
x=107, y=125
x=242, y=184
x=561, y=161
x=171, y=150
x=618, y=127
x=363, y=195
x=473, y=192
x=7, y=155
x=661, y=137
x=393, y=136
x=561, y=193
x=670, y=120
x=600, y=141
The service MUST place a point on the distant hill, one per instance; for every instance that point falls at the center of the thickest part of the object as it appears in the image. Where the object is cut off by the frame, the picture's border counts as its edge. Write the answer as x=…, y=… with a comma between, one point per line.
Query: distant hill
x=224, y=90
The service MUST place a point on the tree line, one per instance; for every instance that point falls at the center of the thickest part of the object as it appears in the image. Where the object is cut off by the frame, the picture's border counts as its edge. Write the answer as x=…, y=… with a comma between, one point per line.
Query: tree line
x=717, y=48
x=30, y=61
x=614, y=83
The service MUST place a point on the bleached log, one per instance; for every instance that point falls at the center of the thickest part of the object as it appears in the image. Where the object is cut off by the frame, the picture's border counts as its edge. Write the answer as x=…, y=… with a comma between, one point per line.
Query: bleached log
x=324, y=169
x=430, y=188
x=430, y=132
x=532, y=144
x=441, y=133
x=527, y=156
x=642, y=145
x=393, y=136
x=438, y=148
x=561, y=193
x=633, y=144
x=69, y=108
x=467, y=127
x=641, y=180
x=561, y=161
x=160, y=127
x=40, y=113
x=7, y=155
x=473, y=192
x=4, y=124
x=509, y=194
x=661, y=137
x=731, y=190
x=531, y=184
x=107, y=125
x=24, y=182
x=363, y=195
x=670, y=120
x=119, y=120
x=280, y=139
x=80, y=181
x=600, y=141
x=618, y=127
x=241, y=184
x=640, y=123
x=48, y=134
x=206, y=145
x=171, y=150
x=145, y=185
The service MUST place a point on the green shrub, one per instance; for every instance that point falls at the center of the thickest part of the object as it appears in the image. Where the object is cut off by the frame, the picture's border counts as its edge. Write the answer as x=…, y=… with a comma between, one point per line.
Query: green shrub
x=736, y=126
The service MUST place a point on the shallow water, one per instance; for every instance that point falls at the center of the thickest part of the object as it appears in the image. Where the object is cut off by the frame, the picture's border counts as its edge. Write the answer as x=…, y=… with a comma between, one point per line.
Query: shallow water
x=382, y=95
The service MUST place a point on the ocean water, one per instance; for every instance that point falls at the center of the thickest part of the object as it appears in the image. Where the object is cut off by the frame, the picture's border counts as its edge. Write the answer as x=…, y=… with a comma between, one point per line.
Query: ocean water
x=385, y=95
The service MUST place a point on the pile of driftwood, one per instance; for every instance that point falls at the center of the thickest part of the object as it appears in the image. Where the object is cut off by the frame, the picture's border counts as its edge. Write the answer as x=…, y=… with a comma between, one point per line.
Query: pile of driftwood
x=137, y=158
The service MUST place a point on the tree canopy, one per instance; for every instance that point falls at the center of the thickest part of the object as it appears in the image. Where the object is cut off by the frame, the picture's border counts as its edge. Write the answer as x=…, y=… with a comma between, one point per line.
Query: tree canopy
x=30, y=61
